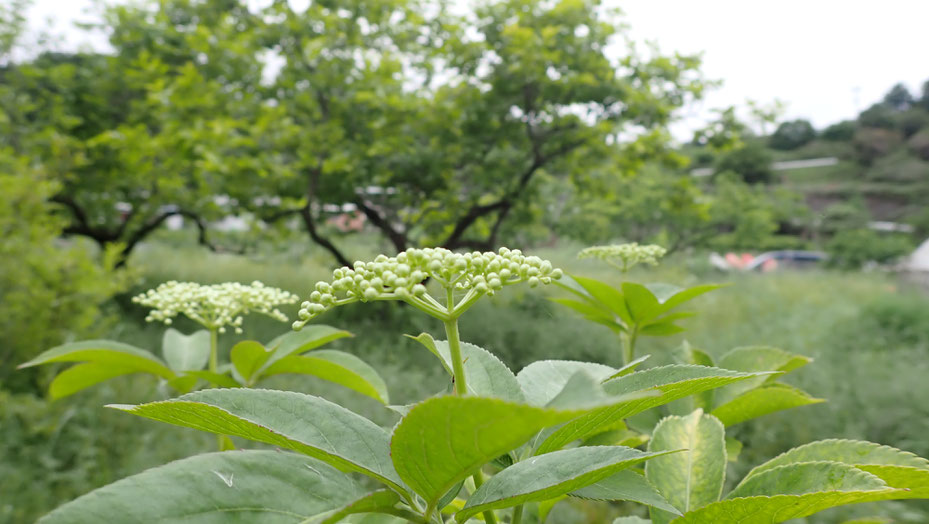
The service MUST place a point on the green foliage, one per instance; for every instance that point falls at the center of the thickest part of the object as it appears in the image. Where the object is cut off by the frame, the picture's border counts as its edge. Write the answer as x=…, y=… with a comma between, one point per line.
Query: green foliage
x=851, y=249
x=899, y=98
x=751, y=162
x=839, y=132
x=50, y=292
x=246, y=486
x=792, y=135
x=526, y=438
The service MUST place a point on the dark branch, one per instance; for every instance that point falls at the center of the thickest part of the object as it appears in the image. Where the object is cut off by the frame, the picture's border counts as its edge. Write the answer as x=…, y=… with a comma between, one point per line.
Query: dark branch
x=397, y=238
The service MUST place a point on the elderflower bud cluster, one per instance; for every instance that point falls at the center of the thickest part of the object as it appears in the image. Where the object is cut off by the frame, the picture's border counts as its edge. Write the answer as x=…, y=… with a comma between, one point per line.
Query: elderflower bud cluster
x=215, y=306
x=625, y=256
x=403, y=278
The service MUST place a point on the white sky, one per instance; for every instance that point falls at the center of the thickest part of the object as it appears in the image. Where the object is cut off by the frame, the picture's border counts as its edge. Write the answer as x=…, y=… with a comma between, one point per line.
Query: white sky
x=826, y=59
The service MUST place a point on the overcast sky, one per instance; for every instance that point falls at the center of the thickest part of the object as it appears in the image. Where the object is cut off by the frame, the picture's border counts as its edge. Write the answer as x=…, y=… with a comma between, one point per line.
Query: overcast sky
x=826, y=59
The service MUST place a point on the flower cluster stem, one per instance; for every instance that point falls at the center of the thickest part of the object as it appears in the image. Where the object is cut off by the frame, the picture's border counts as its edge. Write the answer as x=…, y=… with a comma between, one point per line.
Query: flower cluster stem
x=214, y=351
x=454, y=346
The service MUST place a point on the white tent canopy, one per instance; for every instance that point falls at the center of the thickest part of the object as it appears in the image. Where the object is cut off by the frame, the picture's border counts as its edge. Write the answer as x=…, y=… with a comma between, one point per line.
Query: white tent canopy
x=919, y=260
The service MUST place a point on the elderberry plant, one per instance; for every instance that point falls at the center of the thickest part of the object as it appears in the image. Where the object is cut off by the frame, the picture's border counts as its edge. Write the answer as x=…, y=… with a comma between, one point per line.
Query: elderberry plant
x=189, y=360
x=631, y=310
x=503, y=447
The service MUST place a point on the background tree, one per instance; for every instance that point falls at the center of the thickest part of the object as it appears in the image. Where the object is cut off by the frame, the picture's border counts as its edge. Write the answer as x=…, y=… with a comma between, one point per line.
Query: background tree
x=899, y=98
x=792, y=135
x=752, y=162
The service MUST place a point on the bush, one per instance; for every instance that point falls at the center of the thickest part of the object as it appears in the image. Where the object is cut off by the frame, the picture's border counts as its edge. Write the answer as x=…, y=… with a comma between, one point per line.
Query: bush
x=878, y=116
x=752, y=163
x=840, y=132
x=49, y=291
x=919, y=144
x=913, y=121
x=792, y=135
x=871, y=144
x=851, y=249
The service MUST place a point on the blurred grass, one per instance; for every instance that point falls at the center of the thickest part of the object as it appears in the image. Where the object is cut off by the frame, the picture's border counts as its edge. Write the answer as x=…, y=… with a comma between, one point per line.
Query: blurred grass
x=870, y=340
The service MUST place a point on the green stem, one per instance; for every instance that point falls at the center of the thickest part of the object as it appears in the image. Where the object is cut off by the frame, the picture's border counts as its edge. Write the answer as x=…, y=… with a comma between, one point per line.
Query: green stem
x=214, y=352
x=517, y=515
x=461, y=383
x=489, y=516
x=628, y=345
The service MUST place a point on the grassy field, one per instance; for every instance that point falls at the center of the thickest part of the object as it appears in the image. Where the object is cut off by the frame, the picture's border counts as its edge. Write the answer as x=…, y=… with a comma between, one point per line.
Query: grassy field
x=869, y=336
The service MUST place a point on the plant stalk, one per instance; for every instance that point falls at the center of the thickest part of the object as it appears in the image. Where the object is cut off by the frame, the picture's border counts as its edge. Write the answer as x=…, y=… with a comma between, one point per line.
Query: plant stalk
x=517, y=514
x=214, y=351
x=461, y=383
x=628, y=345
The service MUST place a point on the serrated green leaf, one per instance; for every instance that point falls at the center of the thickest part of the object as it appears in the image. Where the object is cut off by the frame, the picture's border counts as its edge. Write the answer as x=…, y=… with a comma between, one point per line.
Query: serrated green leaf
x=81, y=376
x=298, y=342
x=335, y=366
x=592, y=312
x=104, y=352
x=851, y=452
x=629, y=368
x=673, y=382
x=914, y=480
x=761, y=401
x=304, y=423
x=781, y=508
x=626, y=485
x=487, y=376
x=186, y=352
x=243, y=486
x=695, y=477
x=543, y=380
x=443, y=440
x=606, y=295
x=547, y=476
x=380, y=501
x=641, y=303
x=685, y=296
x=756, y=358
x=248, y=357
x=807, y=477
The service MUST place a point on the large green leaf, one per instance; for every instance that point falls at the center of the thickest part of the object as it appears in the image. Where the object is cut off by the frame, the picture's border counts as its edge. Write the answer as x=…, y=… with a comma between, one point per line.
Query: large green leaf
x=335, y=366
x=487, y=376
x=220, y=379
x=807, y=477
x=795, y=490
x=248, y=357
x=851, y=452
x=605, y=294
x=80, y=376
x=592, y=311
x=899, y=469
x=443, y=440
x=297, y=342
x=547, y=476
x=104, y=352
x=304, y=423
x=186, y=352
x=641, y=303
x=626, y=485
x=672, y=382
x=233, y=487
x=695, y=477
x=761, y=401
x=670, y=299
x=380, y=501
x=542, y=380
x=756, y=358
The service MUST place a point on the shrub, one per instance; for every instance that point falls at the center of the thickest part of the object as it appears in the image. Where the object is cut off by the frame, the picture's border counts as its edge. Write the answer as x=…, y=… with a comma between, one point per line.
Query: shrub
x=792, y=135
x=851, y=249
x=752, y=163
x=871, y=144
x=919, y=144
x=840, y=132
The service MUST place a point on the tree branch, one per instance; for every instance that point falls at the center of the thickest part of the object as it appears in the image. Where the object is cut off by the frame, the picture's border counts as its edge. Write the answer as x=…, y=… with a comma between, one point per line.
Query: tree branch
x=397, y=238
